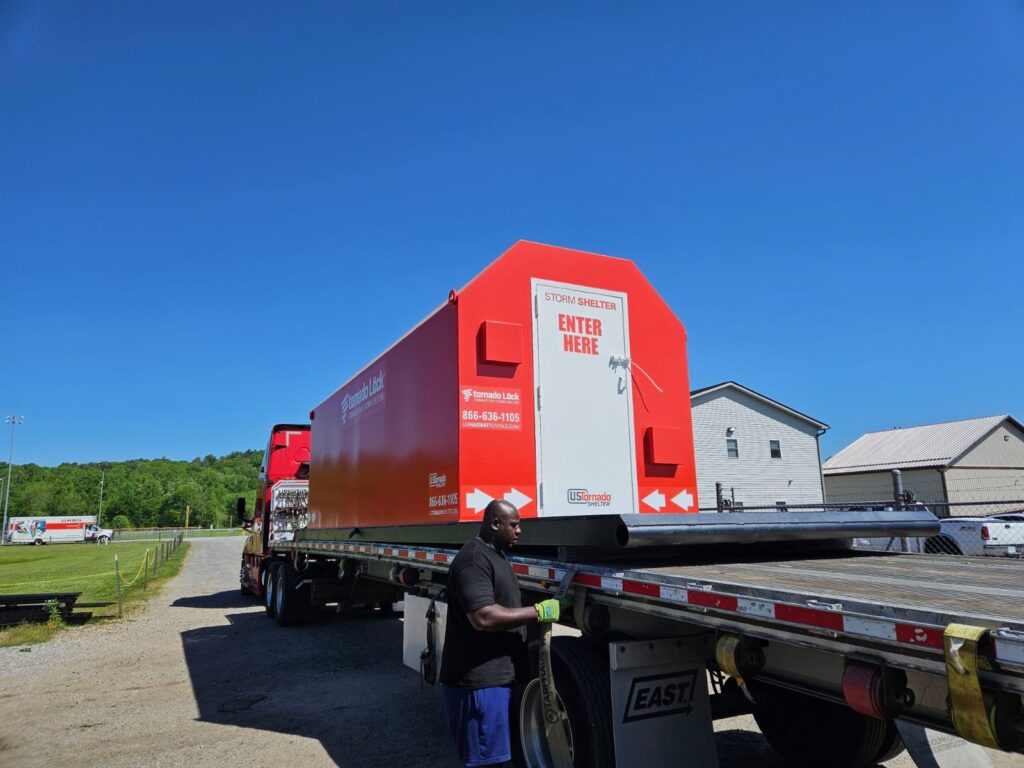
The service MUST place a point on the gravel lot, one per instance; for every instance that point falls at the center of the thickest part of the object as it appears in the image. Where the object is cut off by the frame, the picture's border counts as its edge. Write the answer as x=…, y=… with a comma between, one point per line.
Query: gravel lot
x=203, y=678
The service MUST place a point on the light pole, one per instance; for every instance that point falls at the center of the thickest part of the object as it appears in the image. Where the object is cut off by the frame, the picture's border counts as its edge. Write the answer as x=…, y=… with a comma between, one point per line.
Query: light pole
x=14, y=421
x=99, y=515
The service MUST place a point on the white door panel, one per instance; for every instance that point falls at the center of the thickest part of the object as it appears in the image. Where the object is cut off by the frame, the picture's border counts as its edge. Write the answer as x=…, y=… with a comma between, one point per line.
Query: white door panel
x=583, y=401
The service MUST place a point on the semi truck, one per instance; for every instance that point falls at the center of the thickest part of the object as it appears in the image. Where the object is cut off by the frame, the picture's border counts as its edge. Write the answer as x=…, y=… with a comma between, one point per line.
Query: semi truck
x=557, y=380
x=56, y=530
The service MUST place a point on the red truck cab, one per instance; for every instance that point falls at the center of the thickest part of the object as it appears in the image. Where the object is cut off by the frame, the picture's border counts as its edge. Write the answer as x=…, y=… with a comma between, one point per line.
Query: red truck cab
x=286, y=458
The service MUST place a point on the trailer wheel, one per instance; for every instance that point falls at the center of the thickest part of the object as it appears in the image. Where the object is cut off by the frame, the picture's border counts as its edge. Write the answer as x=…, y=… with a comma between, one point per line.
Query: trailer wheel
x=941, y=545
x=269, y=599
x=38, y=542
x=290, y=603
x=810, y=732
x=584, y=698
x=245, y=591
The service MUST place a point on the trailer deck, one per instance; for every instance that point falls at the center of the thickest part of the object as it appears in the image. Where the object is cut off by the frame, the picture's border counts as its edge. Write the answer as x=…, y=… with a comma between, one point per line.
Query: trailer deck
x=973, y=590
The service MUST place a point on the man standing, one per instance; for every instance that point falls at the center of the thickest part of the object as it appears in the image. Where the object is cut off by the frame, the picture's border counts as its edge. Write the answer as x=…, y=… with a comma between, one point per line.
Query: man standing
x=484, y=637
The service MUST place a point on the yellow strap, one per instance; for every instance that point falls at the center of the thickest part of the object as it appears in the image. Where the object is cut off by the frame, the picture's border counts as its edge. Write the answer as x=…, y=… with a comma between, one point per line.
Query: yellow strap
x=973, y=712
x=726, y=650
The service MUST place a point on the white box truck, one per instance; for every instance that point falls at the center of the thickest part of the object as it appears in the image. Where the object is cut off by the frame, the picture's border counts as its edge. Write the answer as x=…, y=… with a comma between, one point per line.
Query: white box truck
x=56, y=530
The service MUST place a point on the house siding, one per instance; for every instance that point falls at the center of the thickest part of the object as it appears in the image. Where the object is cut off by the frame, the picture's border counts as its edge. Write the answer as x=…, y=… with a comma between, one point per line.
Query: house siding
x=1003, y=448
x=925, y=484
x=754, y=478
x=990, y=485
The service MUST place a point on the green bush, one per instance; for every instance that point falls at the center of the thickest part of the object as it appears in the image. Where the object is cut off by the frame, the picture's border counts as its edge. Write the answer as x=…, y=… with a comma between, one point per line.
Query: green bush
x=121, y=522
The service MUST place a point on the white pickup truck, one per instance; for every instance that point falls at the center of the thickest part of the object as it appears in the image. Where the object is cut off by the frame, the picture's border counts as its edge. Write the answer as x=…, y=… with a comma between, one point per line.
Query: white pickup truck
x=996, y=536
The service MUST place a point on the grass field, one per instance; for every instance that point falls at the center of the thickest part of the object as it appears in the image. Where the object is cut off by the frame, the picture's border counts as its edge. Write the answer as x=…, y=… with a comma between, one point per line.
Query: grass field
x=85, y=568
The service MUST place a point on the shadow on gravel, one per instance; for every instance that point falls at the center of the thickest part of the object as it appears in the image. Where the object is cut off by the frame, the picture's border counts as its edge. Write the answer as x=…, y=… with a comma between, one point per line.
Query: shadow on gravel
x=231, y=598
x=339, y=680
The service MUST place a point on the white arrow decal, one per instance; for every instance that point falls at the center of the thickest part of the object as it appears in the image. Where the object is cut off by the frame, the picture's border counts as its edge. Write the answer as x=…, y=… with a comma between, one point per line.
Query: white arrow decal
x=655, y=500
x=518, y=498
x=477, y=500
x=683, y=500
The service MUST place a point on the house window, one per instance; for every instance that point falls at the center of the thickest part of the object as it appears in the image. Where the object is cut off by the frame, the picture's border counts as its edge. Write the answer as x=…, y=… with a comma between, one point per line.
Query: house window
x=781, y=506
x=732, y=447
x=775, y=449
x=738, y=506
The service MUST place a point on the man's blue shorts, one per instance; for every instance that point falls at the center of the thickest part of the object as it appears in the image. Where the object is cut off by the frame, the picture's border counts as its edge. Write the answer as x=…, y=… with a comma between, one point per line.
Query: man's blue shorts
x=479, y=722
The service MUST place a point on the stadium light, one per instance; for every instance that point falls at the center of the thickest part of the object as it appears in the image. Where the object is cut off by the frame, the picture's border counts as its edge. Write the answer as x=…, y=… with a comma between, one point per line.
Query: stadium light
x=14, y=421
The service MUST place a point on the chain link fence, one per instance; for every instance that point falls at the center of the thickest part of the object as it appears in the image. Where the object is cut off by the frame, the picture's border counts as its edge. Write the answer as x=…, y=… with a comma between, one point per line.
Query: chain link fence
x=981, y=514
x=163, y=534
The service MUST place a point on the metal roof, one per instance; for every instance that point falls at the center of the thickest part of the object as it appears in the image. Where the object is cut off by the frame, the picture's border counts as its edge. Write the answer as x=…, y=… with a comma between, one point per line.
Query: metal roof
x=933, y=445
x=757, y=396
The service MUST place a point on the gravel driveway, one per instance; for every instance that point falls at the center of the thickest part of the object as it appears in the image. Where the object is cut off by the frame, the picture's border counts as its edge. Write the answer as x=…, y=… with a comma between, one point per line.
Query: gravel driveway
x=202, y=678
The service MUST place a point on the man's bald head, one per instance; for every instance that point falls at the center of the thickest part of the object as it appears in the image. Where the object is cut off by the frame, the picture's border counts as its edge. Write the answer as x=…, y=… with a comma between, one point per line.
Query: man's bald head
x=500, y=524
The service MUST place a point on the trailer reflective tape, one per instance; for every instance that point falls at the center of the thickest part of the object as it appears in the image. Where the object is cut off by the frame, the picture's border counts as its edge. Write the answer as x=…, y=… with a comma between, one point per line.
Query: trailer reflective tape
x=972, y=713
x=440, y=557
x=1009, y=646
x=420, y=555
x=388, y=551
x=811, y=617
x=609, y=584
x=522, y=570
x=538, y=572
x=587, y=580
x=882, y=630
x=711, y=600
x=641, y=588
x=930, y=637
x=761, y=608
x=673, y=594
x=403, y=553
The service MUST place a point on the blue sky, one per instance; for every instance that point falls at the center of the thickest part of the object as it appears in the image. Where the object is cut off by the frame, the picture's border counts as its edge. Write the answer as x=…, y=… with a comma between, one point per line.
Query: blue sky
x=213, y=214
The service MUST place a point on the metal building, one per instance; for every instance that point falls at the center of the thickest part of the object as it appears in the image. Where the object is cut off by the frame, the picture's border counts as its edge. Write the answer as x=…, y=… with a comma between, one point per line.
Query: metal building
x=945, y=465
x=764, y=453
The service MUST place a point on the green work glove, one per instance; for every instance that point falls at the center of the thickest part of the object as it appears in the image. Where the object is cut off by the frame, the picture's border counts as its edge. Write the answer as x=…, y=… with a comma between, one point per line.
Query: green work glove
x=547, y=611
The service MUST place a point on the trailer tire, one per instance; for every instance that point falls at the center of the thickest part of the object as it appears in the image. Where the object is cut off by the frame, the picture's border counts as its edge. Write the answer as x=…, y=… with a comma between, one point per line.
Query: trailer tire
x=290, y=603
x=269, y=600
x=810, y=732
x=38, y=542
x=581, y=680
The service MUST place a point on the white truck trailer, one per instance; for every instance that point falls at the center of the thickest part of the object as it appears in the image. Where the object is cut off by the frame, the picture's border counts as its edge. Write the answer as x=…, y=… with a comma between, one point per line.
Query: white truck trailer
x=56, y=530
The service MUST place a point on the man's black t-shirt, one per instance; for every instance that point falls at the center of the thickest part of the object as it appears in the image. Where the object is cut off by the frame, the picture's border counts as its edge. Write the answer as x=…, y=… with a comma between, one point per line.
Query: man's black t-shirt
x=480, y=576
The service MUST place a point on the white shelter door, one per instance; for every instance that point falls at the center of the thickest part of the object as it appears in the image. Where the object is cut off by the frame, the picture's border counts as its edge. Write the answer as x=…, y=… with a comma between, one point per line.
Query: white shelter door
x=586, y=461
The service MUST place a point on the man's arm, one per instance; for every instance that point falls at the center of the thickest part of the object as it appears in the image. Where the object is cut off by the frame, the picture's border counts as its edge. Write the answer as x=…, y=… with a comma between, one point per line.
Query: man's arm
x=497, y=618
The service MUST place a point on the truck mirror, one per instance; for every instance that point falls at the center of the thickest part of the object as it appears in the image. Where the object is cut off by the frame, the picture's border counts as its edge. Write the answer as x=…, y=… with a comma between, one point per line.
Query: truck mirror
x=240, y=509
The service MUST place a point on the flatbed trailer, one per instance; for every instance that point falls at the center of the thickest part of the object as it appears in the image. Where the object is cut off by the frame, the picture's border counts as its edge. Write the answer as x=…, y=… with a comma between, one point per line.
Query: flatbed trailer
x=557, y=381
x=825, y=637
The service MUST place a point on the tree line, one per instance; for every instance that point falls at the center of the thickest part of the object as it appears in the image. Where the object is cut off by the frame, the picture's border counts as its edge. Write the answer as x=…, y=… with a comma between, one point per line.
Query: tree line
x=141, y=493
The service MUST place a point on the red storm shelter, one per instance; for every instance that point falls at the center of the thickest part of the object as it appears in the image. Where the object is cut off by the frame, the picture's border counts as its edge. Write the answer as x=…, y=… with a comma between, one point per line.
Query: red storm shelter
x=556, y=379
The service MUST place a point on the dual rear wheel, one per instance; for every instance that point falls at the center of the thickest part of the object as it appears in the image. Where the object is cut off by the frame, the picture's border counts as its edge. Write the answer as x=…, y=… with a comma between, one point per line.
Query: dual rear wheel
x=284, y=598
x=806, y=731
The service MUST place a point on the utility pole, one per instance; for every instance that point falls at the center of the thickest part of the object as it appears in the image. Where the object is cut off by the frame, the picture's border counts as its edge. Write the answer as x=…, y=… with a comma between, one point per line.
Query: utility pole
x=14, y=421
x=99, y=514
